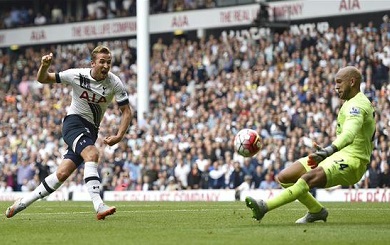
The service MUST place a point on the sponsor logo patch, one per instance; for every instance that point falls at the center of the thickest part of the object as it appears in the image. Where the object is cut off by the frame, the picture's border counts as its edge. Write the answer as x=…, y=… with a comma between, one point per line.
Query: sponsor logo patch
x=354, y=111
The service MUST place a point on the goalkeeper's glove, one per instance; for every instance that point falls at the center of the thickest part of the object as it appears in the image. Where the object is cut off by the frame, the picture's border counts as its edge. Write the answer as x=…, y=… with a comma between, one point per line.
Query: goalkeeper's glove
x=320, y=154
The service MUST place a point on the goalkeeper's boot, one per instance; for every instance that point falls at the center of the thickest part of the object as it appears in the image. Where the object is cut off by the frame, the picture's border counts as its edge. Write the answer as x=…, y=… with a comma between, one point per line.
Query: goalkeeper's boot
x=104, y=211
x=311, y=217
x=15, y=208
x=258, y=208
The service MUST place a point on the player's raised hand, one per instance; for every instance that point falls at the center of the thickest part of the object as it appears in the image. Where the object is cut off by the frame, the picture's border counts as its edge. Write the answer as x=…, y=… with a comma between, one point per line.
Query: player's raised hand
x=112, y=140
x=46, y=59
x=320, y=154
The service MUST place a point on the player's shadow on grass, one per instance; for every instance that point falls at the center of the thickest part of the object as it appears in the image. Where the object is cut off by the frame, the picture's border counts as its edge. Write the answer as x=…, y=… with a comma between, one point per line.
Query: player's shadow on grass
x=284, y=224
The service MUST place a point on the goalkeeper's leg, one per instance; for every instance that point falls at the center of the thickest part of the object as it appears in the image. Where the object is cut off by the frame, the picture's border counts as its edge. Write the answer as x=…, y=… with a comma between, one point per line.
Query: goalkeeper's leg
x=290, y=175
x=286, y=196
x=303, y=179
x=315, y=178
x=315, y=210
x=307, y=199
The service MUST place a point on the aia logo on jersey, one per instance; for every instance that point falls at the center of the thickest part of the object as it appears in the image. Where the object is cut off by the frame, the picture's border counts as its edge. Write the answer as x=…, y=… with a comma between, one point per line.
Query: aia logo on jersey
x=93, y=98
x=354, y=111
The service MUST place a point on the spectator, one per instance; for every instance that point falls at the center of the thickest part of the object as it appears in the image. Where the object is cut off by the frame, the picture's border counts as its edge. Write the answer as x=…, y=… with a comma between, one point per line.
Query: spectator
x=245, y=186
x=15, y=17
x=370, y=28
x=147, y=184
x=107, y=174
x=130, y=8
x=162, y=182
x=40, y=19
x=172, y=184
x=91, y=10
x=194, y=177
x=257, y=176
x=384, y=177
x=77, y=185
x=122, y=182
x=217, y=176
x=237, y=176
x=57, y=16
x=210, y=4
x=150, y=174
x=25, y=173
x=268, y=183
x=385, y=26
x=181, y=172
x=373, y=175
x=10, y=179
x=205, y=178
x=248, y=168
x=4, y=187
x=43, y=168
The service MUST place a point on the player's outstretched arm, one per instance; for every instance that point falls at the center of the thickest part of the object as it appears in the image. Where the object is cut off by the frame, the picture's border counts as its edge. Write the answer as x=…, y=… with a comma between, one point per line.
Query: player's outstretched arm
x=127, y=115
x=43, y=75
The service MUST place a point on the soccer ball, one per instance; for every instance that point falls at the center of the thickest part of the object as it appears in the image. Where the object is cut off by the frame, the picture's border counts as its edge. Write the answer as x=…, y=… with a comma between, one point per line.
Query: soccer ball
x=247, y=142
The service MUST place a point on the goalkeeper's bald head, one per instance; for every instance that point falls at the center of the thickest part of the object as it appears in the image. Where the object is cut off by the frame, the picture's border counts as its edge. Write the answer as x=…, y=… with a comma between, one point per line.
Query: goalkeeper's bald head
x=348, y=81
x=351, y=72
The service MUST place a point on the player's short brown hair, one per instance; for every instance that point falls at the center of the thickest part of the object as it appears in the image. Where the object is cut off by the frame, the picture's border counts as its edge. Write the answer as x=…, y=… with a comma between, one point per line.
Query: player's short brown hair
x=101, y=49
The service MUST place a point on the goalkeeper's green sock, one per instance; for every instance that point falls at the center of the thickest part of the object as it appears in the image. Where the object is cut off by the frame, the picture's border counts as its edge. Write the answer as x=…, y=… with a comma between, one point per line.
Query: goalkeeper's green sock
x=288, y=195
x=307, y=199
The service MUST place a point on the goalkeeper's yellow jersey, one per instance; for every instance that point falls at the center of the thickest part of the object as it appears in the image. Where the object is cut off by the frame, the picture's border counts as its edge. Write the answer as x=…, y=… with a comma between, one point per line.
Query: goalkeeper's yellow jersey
x=356, y=128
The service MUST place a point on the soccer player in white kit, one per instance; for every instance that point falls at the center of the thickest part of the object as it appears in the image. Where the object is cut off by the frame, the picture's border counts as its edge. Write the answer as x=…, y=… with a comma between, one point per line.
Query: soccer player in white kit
x=93, y=90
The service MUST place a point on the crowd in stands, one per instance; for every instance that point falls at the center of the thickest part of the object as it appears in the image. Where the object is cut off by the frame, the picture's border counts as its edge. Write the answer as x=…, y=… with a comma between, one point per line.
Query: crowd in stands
x=54, y=12
x=201, y=93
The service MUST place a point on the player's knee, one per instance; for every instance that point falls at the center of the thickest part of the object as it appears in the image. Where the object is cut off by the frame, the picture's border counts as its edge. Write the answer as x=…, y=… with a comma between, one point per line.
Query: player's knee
x=283, y=182
x=291, y=174
x=283, y=177
x=87, y=149
x=90, y=154
x=65, y=169
x=63, y=174
x=315, y=178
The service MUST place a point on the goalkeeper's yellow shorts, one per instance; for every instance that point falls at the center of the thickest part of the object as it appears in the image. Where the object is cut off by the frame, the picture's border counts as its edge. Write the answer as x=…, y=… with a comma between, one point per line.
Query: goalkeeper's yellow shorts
x=340, y=169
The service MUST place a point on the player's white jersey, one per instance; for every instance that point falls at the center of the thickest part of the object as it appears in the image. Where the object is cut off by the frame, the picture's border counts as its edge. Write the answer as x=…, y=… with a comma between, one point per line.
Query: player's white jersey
x=90, y=98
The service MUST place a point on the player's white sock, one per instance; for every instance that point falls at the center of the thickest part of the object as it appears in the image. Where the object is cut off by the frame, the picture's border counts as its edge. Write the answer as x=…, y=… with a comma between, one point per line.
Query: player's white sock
x=45, y=188
x=92, y=182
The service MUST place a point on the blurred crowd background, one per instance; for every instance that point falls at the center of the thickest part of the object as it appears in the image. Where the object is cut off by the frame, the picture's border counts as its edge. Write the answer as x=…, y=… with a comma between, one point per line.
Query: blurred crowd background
x=202, y=91
x=44, y=12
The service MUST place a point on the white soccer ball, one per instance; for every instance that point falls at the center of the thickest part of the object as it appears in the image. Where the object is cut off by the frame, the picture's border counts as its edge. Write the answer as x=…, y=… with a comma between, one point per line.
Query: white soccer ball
x=247, y=142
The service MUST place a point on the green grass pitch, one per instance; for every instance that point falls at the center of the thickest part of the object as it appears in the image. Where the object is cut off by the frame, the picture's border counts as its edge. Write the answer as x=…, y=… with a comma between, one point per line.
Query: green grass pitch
x=193, y=223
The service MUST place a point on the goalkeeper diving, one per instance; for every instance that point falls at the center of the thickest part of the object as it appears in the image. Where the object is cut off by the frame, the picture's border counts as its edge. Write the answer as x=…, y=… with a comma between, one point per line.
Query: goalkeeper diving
x=344, y=162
